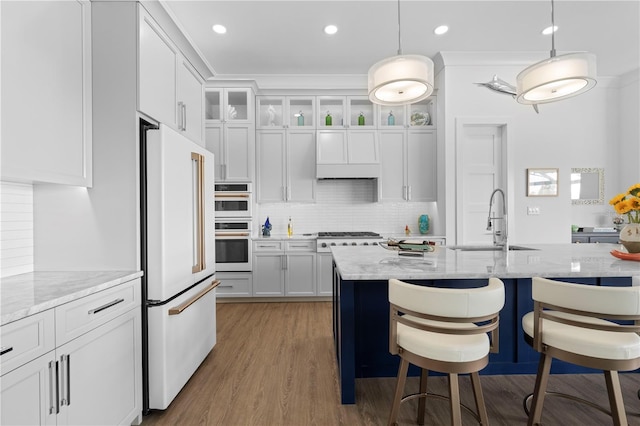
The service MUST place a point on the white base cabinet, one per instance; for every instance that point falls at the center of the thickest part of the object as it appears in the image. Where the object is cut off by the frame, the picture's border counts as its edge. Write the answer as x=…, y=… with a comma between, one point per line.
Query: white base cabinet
x=94, y=374
x=284, y=268
x=325, y=274
x=234, y=284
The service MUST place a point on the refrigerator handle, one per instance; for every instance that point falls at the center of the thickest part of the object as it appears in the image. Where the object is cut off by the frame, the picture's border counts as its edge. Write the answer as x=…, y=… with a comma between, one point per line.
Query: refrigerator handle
x=198, y=187
x=176, y=310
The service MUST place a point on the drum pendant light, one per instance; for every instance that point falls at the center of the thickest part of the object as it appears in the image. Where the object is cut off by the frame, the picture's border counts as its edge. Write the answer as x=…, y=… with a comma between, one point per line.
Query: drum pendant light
x=559, y=77
x=400, y=79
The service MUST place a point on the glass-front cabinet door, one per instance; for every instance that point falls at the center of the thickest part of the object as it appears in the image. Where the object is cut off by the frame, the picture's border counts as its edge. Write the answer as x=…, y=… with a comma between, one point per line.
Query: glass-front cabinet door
x=285, y=111
x=228, y=105
x=361, y=112
x=422, y=113
x=331, y=112
x=392, y=116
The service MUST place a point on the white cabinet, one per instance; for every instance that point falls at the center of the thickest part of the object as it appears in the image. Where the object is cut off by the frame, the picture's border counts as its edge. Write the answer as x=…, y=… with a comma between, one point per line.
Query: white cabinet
x=286, y=165
x=46, y=92
x=87, y=371
x=284, y=268
x=347, y=144
x=408, y=165
x=190, y=102
x=324, y=264
x=230, y=132
x=234, y=284
x=285, y=112
x=169, y=90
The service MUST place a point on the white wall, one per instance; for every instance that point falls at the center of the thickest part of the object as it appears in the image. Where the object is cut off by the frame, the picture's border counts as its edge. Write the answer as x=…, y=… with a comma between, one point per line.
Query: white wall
x=629, y=122
x=347, y=205
x=16, y=228
x=580, y=132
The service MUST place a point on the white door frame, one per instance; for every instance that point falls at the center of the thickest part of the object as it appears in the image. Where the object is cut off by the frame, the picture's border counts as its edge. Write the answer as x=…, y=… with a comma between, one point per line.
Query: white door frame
x=507, y=165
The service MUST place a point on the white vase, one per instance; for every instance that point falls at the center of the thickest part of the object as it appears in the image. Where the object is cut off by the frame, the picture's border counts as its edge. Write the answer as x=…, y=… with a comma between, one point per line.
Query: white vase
x=630, y=237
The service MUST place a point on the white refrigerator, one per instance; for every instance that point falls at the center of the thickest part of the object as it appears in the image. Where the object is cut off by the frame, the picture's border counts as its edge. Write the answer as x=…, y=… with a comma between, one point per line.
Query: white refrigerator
x=177, y=181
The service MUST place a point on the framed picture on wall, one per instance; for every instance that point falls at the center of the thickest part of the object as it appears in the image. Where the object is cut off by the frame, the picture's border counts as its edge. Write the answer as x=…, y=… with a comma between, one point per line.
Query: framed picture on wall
x=542, y=182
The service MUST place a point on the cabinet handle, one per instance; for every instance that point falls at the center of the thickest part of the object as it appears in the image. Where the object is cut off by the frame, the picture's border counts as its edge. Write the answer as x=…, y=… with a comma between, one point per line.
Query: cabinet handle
x=232, y=234
x=184, y=117
x=225, y=286
x=4, y=350
x=180, y=116
x=105, y=306
x=66, y=377
x=180, y=308
x=53, y=387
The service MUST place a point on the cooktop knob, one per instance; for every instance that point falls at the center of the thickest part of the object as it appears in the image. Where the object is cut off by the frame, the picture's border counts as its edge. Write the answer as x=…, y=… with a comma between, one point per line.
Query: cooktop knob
x=333, y=244
x=354, y=244
x=344, y=244
x=365, y=243
x=324, y=244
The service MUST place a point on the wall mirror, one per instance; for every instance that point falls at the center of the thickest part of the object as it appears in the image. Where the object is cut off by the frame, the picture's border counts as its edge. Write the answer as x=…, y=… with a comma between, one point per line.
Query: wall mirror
x=542, y=182
x=587, y=186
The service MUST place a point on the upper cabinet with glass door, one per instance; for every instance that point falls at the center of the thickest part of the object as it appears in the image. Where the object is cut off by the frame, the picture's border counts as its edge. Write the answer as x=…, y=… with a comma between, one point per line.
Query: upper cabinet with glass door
x=421, y=114
x=229, y=105
x=342, y=112
x=274, y=112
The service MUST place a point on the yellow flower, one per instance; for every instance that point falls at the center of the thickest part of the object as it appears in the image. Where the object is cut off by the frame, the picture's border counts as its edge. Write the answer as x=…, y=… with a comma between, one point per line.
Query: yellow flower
x=634, y=203
x=615, y=200
x=634, y=190
x=622, y=207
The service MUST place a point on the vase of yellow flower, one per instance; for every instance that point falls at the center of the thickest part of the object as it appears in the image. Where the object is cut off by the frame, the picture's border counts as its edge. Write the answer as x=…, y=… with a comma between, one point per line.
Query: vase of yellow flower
x=629, y=204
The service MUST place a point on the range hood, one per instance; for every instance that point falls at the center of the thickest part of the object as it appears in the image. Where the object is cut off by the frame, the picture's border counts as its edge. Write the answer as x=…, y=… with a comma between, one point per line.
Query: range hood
x=347, y=171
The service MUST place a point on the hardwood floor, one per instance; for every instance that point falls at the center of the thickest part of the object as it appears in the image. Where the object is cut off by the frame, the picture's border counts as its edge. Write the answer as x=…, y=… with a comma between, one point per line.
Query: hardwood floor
x=274, y=364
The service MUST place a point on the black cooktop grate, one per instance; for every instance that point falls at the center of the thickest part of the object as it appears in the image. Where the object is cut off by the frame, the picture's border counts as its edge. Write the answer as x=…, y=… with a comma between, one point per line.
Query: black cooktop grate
x=348, y=234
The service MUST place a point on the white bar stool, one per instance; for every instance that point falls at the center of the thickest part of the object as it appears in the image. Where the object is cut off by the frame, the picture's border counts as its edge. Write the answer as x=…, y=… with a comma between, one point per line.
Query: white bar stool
x=571, y=322
x=444, y=330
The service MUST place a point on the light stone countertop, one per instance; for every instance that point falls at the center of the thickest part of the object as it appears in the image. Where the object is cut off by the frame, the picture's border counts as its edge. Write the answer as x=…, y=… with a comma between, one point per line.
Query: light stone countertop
x=549, y=260
x=27, y=294
x=305, y=236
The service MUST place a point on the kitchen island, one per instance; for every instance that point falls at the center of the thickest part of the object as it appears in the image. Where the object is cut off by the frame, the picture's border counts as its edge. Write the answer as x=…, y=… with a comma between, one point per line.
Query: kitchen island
x=361, y=308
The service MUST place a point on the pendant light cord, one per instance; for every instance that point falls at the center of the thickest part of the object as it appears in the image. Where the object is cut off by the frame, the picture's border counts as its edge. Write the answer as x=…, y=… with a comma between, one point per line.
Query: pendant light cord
x=399, y=38
x=553, y=33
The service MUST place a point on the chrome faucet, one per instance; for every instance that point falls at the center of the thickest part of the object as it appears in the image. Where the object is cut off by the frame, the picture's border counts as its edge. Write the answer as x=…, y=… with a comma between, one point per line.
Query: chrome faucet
x=499, y=235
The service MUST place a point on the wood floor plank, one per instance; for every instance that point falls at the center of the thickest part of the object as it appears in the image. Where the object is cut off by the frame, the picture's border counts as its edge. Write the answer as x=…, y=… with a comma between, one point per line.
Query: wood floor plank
x=274, y=365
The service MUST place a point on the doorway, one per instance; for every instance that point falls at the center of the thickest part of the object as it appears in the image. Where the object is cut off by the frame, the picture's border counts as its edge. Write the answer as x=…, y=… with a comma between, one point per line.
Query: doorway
x=481, y=161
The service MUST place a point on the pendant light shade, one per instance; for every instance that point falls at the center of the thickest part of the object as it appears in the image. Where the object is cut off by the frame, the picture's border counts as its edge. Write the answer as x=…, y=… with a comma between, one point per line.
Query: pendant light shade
x=400, y=79
x=556, y=78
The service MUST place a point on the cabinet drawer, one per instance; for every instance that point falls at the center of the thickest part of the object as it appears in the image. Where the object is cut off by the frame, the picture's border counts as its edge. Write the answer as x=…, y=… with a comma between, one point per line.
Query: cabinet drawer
x=302, y=245
x=82, y=315
x=26, y=339
x=236, y=284
x=272, y=245
x=603, y=239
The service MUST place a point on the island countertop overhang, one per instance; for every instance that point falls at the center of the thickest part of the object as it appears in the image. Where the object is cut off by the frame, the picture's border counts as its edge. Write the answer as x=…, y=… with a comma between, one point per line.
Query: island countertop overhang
x=548, y=260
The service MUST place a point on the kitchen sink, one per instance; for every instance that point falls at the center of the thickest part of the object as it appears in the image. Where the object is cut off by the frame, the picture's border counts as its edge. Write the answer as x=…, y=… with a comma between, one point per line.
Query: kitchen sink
x=488, y=248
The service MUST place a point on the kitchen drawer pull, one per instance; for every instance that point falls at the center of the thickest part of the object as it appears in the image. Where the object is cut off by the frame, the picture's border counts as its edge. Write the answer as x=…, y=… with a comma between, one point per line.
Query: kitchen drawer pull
x=226, y=286
x=4, y=350
x=180, y=308
x=106, y=306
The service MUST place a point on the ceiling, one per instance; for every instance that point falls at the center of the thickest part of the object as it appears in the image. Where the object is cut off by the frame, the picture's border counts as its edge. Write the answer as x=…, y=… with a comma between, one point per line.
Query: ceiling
x=286, y=37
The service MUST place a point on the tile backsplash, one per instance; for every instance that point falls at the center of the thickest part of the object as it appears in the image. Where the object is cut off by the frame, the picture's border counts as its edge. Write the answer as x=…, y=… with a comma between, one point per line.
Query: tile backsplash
x=345, y=205
x=16, y=229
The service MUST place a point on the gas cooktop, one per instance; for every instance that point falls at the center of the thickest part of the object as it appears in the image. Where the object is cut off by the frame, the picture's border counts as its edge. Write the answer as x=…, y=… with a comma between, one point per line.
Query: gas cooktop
x=347, y=234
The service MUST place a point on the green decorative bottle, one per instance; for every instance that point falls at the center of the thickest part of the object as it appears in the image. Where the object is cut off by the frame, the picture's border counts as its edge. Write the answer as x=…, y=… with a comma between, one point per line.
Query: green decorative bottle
x=391, y=120
x=328, y=120
x=300, y=119
x=361, y=120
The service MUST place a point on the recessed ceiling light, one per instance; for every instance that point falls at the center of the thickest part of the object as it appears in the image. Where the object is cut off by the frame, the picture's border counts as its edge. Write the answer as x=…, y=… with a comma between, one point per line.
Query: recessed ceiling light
x=550, y=30
x=330, y=29
x=441, y=30
x=220, y=29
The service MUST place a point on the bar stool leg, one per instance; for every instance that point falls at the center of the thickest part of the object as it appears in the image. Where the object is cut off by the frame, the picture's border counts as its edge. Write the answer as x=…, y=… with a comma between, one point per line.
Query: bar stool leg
x=481, y=409
x=615, y=398
x=454, y=398
x=397, y=397
x=422, y=402
x=542, y=377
